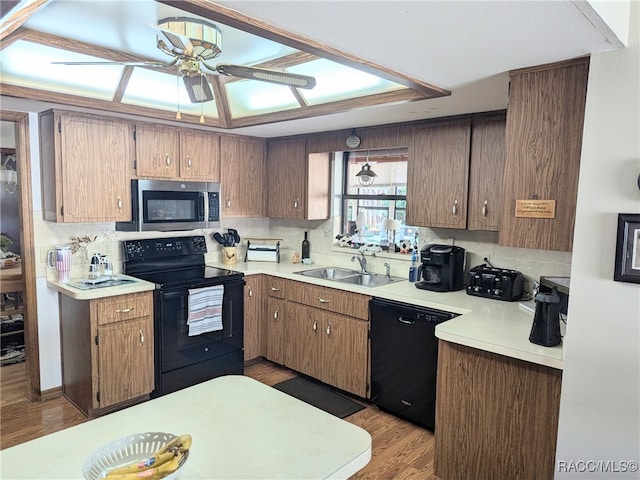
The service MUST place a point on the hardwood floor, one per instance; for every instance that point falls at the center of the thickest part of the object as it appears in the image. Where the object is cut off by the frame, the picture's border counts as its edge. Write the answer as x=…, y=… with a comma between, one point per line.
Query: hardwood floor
x=401, y=450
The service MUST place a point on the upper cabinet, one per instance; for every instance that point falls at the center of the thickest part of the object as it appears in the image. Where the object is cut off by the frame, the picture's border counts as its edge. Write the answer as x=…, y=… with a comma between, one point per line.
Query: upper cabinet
x=177, y=154
x=486, y=172
x=242, y=176
x=543, y=145
x=298, y=183
x=86, y=165
x=438, y=173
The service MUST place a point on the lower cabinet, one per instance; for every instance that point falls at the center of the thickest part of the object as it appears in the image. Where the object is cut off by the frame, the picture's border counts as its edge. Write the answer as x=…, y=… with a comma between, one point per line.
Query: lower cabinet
x=324, y=342
x=107, y=351
x=253, y=313
x=496, y=417
x=274, y=325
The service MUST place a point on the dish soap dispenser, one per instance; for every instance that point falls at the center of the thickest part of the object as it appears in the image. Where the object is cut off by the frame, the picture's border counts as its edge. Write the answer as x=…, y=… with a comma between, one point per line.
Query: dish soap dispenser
x=305, y=246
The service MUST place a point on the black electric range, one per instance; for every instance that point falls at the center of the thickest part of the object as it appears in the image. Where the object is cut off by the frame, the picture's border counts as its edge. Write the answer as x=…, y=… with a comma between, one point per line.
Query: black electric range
x=177, y=267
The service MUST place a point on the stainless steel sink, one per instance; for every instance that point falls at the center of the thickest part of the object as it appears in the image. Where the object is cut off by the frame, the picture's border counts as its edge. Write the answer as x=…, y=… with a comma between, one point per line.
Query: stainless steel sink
x=329, y=273
x=354, y=277
x=370, y=280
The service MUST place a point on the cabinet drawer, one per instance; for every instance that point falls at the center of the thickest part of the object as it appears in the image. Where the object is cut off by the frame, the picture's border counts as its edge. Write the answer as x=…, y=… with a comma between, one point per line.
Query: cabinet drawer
x=276, y=287
x=337, y=301
x=123, y=307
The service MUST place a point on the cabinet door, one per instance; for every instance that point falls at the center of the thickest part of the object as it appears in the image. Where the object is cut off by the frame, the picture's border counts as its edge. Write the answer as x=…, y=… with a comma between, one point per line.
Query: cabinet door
x=543, y=145
x=125, y=360
x=438, y=173
x=95, y=168
x=199, y=156
x=345, y=358
x=274, y=324
x=242, y=176
x=253, y=314
x=157, y=154
x=303, y=337
x=286, y=165
x=487, y=170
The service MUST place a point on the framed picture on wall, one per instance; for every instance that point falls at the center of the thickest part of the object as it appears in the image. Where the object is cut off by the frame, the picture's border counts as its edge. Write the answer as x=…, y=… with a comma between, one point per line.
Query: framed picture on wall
x=627, y=268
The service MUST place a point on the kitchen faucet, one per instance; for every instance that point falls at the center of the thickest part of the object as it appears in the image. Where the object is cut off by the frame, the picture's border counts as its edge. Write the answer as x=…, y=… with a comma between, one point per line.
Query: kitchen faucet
x=362, y=261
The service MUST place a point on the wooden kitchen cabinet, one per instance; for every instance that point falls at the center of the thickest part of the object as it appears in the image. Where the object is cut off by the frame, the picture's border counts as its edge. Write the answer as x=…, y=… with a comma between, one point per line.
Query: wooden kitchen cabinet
x=496, y=416
x=242, y=176
x=86, y=166
x=486, y=173
x=274, y=324
x=253, y=315
x=327, y=336
x=298, y=183
x=438, y=173
x=107, y=351
x=543, y=146
x=171, y=153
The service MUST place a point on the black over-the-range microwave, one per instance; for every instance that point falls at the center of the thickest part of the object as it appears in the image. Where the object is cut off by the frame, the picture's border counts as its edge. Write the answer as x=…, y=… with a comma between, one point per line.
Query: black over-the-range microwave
x=164, y=205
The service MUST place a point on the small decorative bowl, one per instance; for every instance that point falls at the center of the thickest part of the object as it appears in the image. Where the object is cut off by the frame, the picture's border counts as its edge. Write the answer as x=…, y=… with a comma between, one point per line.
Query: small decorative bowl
x=126, y=450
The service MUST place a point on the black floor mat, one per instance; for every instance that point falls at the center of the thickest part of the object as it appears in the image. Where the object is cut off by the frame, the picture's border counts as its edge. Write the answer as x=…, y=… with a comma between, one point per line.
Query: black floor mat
x=320, y=396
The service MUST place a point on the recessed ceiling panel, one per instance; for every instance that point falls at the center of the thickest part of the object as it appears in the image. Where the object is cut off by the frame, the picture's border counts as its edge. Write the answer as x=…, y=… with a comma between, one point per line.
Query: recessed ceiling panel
x=337, y=82
x=250, y=97
x=149, y=88
x=29, y=64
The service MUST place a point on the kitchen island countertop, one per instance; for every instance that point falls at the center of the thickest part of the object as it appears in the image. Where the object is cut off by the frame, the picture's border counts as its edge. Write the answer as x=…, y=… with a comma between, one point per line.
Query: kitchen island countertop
x=486, y=324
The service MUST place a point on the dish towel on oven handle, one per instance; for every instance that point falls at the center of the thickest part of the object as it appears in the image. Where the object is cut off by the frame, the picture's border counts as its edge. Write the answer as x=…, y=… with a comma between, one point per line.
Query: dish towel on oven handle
x=205, y=310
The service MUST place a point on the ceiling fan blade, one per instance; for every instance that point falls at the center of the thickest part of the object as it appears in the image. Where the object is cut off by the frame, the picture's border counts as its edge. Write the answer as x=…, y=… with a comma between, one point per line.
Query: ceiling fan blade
x=137, y=64
x=265, y=75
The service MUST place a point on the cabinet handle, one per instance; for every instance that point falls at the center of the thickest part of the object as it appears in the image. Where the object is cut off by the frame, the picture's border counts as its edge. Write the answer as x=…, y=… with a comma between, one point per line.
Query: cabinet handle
x=141, y=338
x=228, y=203
x=329, y=330
x=188, y=161
x=315, y=327
x=322, y=300
x=275, y=315
x=124, y=310
x=119, y=203
x=250, y=291
x=455, y=208
x=295, y=204
x=275, y=289
x=484, y=209
x=167, y=159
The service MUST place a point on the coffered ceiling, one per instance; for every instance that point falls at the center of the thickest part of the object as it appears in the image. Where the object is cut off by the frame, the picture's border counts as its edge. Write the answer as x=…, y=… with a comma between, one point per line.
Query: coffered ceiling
x=375, y=61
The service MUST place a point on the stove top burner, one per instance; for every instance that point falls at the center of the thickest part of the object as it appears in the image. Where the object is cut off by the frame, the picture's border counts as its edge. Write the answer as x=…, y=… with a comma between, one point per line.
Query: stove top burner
x=189, y=276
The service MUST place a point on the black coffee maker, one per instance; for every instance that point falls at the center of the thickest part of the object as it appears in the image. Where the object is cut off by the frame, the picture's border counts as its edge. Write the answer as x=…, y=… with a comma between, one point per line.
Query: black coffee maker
x=442, y=268
x=545, y=330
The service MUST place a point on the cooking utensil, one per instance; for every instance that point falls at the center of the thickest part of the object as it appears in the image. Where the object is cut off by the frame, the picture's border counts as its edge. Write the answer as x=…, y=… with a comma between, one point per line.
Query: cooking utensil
x=218, y=238
x=236, y=236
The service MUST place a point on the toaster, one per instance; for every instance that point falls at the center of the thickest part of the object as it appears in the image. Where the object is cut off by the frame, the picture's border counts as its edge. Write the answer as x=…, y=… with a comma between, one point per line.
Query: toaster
x=496, y=283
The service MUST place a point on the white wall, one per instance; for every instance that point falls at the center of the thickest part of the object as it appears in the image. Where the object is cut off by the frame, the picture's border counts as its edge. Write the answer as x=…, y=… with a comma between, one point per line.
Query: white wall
x=600, y=403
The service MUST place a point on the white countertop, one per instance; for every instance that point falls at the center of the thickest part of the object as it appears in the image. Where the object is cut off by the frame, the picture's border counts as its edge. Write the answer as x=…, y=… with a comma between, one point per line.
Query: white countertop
x=137, y=285
x=486, y=324
x=241, y=429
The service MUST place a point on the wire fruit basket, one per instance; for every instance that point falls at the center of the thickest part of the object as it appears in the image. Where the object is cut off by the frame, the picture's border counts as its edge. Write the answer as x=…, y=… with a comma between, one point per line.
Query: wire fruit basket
x=128, y=450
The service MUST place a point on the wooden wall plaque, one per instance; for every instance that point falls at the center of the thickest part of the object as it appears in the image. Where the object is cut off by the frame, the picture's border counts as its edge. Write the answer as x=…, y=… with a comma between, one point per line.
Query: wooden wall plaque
x=536, y=208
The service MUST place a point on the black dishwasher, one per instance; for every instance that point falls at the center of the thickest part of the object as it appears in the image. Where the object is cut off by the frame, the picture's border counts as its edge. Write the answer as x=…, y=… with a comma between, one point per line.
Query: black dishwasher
x=404, y=359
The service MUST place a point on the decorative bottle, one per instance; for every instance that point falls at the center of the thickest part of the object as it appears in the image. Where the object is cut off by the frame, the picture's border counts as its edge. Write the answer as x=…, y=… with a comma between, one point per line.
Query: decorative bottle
x=305, y=247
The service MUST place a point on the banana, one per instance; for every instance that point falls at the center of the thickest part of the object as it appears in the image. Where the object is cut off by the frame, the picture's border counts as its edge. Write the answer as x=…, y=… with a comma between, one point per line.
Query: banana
x=155, y=473
x=168, y=458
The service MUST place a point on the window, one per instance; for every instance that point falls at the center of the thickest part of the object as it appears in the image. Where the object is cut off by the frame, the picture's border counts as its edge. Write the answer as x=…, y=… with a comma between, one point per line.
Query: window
x=386, y=198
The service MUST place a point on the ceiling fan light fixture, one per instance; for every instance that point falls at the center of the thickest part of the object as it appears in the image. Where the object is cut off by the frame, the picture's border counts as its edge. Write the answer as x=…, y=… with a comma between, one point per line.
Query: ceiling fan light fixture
x=198, y=89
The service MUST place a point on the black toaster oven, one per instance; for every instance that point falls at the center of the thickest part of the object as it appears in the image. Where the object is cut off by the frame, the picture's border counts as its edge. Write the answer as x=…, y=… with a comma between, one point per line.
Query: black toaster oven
x=496, y=283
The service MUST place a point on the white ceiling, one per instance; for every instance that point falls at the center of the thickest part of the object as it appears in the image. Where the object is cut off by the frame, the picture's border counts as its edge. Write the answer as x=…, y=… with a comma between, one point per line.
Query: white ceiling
x=466, y=47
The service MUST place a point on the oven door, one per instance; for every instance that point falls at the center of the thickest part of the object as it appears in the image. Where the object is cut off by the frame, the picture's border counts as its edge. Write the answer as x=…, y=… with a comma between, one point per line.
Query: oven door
x=176, y=349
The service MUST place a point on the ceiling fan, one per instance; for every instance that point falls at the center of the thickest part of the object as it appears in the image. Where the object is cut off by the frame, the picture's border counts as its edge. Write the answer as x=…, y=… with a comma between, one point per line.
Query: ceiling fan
x=192, y=43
